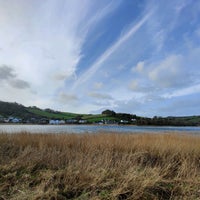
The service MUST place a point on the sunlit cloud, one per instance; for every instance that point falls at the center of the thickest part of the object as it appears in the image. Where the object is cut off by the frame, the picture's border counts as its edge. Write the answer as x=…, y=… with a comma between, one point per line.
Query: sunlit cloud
x=128, y=56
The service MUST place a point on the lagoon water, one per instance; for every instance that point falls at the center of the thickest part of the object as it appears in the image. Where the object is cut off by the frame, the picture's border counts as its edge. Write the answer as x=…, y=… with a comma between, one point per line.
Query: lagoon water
x=94, y=129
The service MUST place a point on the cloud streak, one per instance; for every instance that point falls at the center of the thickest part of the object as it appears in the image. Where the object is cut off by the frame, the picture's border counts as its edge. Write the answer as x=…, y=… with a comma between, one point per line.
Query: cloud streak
x=92, y=70
x=46, y=47
x=183, y=92
x=79, y=57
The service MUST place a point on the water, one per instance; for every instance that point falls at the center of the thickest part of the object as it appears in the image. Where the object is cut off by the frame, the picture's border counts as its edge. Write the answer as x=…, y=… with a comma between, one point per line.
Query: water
x=94, y=129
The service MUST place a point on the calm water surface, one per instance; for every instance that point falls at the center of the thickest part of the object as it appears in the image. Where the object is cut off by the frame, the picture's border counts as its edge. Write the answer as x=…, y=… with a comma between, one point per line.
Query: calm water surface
x=94, y=129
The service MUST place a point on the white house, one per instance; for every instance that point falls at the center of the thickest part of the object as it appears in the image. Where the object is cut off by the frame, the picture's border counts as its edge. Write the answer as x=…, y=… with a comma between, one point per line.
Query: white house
x=82, y=121
x=53, y=122
x=16, y=120
x=56, y=122
x=62, y=122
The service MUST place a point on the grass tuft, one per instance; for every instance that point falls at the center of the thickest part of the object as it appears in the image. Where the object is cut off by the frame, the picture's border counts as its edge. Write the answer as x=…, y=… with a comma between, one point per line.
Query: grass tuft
x=99, y=166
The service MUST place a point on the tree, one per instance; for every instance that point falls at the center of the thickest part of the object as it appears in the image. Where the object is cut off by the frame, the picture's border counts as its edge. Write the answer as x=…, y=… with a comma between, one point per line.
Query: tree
x=108, y=112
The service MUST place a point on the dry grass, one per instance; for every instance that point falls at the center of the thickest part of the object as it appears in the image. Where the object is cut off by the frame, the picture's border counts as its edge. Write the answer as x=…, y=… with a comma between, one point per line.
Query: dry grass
x=99, y=166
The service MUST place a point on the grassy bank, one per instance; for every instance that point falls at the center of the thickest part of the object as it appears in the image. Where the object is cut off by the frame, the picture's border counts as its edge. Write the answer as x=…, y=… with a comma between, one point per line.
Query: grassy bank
x=101, y=166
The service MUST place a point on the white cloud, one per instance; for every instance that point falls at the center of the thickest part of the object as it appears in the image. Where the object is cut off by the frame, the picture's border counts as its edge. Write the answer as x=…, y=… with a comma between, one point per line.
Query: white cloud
x=139, y=67
x=67, y=98
x=134, y=85
x=169, y=72
x=13, y=94
x=100, y=14
x=43, y=41
x=26, y=41
x=121, y=67
x=159, y=39
x=42, y=46
x=98, y=85
x=99, y=95
x=141, y=86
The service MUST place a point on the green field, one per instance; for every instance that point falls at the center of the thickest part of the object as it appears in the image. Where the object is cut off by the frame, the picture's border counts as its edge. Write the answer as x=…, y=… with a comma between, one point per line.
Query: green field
x=66, y=115
x=98, y=118
x=59, y=115
x=27, y=113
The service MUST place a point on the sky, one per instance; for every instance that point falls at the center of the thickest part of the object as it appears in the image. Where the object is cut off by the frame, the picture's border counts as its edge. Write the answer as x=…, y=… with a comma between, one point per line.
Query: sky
x=85, y=56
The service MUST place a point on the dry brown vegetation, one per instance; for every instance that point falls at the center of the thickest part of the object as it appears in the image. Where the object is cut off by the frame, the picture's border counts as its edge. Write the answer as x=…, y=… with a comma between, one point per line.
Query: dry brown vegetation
x=99, y=166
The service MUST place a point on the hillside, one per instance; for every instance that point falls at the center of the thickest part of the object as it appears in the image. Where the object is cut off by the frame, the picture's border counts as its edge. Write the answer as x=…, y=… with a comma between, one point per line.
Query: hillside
x=17, y=110
x=51, y=114
x=106, y=117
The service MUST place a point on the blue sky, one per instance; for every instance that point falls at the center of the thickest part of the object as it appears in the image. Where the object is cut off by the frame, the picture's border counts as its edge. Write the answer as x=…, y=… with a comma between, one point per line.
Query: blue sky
x=84, y=56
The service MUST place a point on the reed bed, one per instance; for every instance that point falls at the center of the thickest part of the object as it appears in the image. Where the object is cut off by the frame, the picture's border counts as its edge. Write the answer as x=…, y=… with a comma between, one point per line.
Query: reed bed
x=99, y=166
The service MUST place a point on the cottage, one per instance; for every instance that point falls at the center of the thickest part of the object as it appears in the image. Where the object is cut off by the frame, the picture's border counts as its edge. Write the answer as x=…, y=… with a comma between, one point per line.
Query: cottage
x=82, y=121
x=124, y=121
x=16, y=120
x=62, y=122
x=43, y=121
x=56, y=122
x=53, y=122
x=71, y=121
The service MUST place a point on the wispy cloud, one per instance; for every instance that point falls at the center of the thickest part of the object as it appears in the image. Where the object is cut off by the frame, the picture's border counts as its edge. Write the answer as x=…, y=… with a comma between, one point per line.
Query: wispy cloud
x=67, y=98
x=169, y=72
x=139, y=68
x=99, y=95
x=102, y=13
x=79, y=57
x=98, y=85
x=91, y=71
x=45, y=49
x=194, y=89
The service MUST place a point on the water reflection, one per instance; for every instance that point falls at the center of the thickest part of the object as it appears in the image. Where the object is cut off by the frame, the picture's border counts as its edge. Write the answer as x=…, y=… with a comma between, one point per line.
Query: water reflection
x=92, y=129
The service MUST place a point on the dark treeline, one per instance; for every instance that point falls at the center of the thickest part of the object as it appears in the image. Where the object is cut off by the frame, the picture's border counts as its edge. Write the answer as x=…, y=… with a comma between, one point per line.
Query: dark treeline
x=169, y=121
x=155, y=121
x=14, y=109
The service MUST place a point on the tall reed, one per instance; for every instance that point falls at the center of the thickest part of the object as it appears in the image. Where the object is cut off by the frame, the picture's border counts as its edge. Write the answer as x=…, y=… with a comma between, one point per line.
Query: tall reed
x=99, y=166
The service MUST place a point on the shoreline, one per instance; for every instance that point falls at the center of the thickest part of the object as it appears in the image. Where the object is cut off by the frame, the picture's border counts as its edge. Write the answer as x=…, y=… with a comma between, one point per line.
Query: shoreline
x=94, y=129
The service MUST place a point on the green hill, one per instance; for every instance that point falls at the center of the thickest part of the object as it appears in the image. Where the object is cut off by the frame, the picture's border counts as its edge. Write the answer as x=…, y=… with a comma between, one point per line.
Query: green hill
x=28, y=113
x=51, y=114
x=17, y=110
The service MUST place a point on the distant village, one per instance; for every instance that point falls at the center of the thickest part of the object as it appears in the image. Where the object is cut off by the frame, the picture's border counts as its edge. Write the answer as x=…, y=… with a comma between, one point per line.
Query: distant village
x=13, y=113
x=16, y=120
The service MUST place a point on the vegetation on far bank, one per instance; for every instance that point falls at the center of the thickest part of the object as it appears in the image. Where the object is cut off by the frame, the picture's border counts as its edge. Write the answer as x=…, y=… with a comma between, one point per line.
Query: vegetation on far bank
x=36, y=115
x=99, y=166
